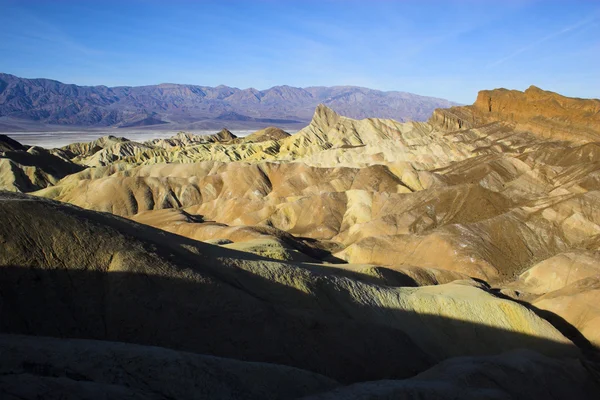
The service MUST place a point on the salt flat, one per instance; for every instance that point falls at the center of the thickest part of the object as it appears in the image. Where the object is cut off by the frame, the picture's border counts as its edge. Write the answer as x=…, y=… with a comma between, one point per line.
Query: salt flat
x=53, y=139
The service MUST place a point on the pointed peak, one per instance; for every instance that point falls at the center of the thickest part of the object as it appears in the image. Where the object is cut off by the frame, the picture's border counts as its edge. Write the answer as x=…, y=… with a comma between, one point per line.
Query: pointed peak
x=322, y=108
x=533, y=88
x=324, y=117
x=322, y=111
x=269, y=133
x=224, y=135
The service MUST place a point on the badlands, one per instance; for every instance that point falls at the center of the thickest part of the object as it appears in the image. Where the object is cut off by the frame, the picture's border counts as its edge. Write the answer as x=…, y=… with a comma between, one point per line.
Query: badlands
x=355, y=259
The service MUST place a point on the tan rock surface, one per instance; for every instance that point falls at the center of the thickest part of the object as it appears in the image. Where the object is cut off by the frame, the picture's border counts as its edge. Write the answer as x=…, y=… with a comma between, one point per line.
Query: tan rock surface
x=182, y=223
x=103, y=277
x=263, y=135
x=25, y=169
x=183, y=139
x=579, y=304
x=79, y=151
x=492, y=200
x=559, y=271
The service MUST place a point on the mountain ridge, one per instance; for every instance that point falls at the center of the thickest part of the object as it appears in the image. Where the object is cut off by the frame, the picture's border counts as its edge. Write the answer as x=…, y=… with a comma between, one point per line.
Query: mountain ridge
x=48, y=101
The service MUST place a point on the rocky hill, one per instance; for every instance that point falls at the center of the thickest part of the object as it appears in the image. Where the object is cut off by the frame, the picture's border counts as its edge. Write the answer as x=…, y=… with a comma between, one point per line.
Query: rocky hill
x=355, y=259
x=170, y=106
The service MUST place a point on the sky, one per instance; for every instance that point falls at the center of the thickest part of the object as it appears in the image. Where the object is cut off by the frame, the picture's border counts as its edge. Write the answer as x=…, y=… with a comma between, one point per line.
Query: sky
x=447, y=49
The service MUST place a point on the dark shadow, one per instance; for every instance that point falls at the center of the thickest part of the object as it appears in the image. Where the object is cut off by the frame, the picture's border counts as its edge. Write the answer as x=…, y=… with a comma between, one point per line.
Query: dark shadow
x=45, y=164
x=45, y=161
x=318, y=249
x=481, y=282
x=195, y=218
x=229, y=312
x=385, y=276
x=7, y=143
x=167, y=290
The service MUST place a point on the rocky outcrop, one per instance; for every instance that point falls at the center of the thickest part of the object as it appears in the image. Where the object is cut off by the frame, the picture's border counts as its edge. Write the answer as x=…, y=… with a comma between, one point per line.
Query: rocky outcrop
x=559, y=271
x=79, y=151
x=25, y=169
x=269, y=133
x=543, y=113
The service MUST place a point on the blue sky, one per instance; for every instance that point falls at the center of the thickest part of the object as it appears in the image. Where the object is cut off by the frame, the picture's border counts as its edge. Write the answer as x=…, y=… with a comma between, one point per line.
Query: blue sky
x=448, y=49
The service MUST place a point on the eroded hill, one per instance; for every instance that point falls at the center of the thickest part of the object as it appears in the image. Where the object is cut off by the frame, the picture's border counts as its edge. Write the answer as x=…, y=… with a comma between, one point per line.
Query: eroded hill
x=356, y=250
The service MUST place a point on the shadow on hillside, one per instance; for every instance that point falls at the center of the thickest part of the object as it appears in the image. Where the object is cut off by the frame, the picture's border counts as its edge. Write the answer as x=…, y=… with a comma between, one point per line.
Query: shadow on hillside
x=44, y=160
x=559, y=323
x=228, y=316
x=318, y=249
x=385, y=277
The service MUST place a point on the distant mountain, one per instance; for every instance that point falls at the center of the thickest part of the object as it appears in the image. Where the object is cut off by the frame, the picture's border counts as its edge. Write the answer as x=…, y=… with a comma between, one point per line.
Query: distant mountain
x=168, y=106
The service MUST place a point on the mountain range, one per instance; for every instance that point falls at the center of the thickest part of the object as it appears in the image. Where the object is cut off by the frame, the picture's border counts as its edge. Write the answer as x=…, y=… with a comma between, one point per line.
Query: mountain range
x=33, y=104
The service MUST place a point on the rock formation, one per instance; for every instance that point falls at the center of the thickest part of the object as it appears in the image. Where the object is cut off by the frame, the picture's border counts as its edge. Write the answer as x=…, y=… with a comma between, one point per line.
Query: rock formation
x=269, y=133
x=25, y=169
x=547, y=114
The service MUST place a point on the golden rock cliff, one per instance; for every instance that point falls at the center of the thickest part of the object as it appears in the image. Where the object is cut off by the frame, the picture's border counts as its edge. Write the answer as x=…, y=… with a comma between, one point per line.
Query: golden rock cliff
x=543, y=113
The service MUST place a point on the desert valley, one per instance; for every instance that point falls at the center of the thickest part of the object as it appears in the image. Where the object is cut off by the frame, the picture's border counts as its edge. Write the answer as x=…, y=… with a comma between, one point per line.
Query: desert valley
x=355, y=259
